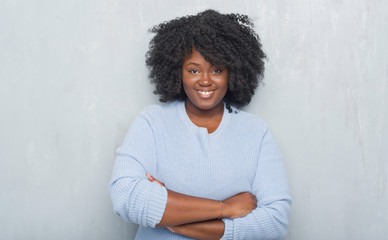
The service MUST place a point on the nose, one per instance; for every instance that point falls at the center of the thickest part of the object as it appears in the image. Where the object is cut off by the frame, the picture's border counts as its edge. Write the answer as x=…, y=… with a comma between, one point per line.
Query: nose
x=205, y=80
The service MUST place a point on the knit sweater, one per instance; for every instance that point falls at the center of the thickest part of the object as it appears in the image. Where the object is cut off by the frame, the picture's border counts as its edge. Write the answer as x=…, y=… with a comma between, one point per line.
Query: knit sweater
x=240, y=156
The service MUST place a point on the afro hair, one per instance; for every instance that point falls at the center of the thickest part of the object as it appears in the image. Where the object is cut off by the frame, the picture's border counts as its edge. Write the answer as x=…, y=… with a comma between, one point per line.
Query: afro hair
x=223, y=39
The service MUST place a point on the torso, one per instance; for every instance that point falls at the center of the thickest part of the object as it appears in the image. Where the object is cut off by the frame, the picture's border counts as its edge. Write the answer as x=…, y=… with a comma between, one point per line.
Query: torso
x=191, y=161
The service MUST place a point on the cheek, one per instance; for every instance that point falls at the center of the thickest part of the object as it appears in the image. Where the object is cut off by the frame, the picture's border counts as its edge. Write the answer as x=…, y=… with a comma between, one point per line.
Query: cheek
x=223, y=80
x=188, y=82
x=185, y=83
x=224, y=83
x=187, y=88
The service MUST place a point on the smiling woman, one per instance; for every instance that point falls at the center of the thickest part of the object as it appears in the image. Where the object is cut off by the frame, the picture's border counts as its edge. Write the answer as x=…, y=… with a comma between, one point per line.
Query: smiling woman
x=205, y=86
x=198, y=167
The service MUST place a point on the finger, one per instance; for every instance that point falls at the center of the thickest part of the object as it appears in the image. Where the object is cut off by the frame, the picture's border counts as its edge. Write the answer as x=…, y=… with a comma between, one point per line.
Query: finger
x=150, y=177
x=162, y=184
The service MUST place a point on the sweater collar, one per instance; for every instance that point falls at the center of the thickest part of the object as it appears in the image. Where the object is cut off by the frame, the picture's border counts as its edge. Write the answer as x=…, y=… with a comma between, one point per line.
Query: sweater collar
x=192, y=127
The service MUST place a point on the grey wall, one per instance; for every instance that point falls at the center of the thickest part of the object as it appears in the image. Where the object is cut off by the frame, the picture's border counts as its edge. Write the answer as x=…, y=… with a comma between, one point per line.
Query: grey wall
x=72, y=78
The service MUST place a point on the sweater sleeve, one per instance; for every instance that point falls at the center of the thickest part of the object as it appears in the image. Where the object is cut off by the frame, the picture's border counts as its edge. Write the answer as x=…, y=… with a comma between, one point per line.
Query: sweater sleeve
x=135, y=198
x=270, y=186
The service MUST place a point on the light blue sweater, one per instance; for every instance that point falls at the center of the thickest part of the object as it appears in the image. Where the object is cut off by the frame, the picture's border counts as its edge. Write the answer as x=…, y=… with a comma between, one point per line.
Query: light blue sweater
x=241, y=155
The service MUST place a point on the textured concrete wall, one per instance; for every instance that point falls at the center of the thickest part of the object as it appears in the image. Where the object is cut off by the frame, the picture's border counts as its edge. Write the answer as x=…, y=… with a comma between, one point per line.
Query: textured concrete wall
x=72, y=78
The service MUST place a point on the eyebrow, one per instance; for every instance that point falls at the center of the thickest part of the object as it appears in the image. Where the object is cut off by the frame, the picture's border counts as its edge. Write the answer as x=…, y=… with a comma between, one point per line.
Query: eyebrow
x=193, y=63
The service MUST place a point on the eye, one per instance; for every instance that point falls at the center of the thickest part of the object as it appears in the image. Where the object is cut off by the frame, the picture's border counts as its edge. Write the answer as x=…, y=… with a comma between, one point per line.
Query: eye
x=218, y=70
x=193, y=71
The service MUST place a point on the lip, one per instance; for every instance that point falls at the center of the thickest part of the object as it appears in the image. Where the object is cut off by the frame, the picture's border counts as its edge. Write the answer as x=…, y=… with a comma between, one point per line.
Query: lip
x=205, y=94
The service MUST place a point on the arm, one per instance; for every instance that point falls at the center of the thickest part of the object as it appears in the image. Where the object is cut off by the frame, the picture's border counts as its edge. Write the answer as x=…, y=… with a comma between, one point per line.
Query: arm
x=212, y=229
x=134, y=198
x=270, y=219
x=206, y=230
x=184, y=209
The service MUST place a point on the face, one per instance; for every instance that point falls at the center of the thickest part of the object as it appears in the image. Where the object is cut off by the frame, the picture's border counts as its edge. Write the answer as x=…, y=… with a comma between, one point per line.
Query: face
x=205, y=85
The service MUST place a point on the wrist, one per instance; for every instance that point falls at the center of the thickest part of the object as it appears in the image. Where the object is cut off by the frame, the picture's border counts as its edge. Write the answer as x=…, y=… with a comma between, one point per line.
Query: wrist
x=226, y=210
x=221, y=210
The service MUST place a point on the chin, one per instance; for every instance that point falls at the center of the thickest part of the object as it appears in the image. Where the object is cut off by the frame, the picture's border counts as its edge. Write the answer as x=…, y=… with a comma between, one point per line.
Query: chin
x=206, y=105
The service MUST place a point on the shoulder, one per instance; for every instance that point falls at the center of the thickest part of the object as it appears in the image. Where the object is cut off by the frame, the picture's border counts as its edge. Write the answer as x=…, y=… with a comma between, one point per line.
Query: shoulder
x=158, y=113
x=150, y=111
x=158, y=109
x=248, y=121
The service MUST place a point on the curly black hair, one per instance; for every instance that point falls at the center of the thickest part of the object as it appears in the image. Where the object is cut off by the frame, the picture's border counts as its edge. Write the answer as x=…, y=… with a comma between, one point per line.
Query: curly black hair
x=223, y=39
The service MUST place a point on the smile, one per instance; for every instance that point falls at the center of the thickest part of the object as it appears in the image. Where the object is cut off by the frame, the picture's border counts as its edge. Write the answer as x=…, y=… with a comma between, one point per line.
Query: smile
x=205, y=94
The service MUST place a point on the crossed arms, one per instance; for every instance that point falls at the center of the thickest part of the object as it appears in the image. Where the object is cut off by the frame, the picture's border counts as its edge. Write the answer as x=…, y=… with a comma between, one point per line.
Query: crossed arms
x=199, y=218
x=145, y=201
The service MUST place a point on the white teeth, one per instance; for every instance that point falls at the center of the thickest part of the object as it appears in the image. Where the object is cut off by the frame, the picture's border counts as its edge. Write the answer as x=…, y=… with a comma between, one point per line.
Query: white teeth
x=205, y=93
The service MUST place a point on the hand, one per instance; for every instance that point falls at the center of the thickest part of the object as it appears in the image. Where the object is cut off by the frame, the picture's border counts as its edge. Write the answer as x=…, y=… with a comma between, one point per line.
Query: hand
x=152, y=179
x=239, y=205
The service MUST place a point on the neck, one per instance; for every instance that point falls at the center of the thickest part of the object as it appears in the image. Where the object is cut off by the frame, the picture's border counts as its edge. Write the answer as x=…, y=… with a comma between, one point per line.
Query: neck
x=209, y=119
x=197, y=113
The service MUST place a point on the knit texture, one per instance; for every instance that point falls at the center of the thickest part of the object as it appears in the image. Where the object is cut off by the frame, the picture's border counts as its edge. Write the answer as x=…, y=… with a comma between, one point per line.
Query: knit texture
x=241, y=155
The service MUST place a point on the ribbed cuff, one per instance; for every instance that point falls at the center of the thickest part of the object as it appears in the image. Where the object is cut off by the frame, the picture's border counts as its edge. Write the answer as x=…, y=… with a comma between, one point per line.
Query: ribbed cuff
x=156, y=204
x=228, y=232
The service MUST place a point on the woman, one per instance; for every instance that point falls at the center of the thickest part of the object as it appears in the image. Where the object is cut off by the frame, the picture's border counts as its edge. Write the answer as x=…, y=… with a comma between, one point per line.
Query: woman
x=197, y=167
